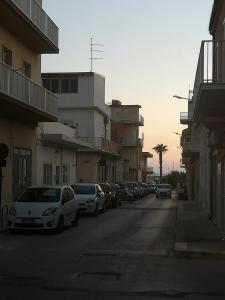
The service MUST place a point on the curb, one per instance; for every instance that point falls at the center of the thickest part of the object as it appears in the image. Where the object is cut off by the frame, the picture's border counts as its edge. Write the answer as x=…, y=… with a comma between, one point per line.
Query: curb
x=181, y=250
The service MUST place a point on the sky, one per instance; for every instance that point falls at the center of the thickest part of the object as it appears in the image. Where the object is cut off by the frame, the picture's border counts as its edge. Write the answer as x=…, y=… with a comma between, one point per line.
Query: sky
x=151, y=50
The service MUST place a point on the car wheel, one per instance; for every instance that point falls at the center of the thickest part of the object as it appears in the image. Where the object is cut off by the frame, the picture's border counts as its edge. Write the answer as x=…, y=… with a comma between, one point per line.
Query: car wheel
x=75, y=222
x=60, y=225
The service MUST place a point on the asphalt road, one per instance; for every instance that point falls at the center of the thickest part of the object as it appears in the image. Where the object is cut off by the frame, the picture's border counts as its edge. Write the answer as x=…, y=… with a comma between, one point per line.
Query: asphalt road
x=126, y=253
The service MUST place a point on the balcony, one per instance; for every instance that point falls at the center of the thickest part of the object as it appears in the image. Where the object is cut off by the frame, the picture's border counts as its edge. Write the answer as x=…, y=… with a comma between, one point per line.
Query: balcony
x=102, y=145
x=129, y=116
x=189, y=143
x=23, y=99
x=209, y=86
x=28, y=21
x=184, y=118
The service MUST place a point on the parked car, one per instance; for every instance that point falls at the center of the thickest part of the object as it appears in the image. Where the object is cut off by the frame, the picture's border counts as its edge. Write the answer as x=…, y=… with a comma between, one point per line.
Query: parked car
x=44, y=207
x=116, y=194
x=108, y=195
x=163, y=191
x=125, y=192
x=152, y=188
x=91, y=198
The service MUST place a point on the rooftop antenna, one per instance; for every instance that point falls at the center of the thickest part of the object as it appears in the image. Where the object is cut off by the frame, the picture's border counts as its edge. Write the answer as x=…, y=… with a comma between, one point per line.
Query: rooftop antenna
x=93, y=45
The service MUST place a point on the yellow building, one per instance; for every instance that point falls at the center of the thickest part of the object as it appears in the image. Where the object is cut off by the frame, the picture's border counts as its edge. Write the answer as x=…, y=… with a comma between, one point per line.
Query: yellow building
x=26, y=31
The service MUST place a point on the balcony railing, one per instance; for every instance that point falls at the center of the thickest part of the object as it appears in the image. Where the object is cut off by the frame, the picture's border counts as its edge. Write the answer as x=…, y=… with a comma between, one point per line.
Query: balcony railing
x=184, y=118
x=101, y=144
x=211, y=64
x=39, y=18
x=21, y=88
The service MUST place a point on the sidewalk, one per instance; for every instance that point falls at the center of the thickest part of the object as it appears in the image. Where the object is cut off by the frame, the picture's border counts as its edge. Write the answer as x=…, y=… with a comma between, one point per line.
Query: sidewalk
x=196, y=235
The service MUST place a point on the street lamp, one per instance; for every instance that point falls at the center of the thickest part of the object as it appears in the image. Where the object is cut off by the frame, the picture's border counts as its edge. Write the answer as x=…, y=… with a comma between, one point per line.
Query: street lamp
x=179, y=97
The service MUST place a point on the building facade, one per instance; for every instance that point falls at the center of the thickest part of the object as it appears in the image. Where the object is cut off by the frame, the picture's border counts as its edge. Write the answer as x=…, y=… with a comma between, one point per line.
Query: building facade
x=203, y=141
x=81, y=105
x=26, y=31
x=125, y=131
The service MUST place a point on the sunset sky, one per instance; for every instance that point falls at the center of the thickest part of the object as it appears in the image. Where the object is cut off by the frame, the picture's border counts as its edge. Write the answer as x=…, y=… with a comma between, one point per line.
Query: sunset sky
x=151, y=50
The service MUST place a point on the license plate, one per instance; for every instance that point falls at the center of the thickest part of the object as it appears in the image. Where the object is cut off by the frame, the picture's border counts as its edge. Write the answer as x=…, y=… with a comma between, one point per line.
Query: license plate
x=28, y=220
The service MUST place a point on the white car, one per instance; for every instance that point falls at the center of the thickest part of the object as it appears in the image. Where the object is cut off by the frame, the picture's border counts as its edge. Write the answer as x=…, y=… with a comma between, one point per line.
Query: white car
x=44, y=207
x=163, y=190
x=91, y=198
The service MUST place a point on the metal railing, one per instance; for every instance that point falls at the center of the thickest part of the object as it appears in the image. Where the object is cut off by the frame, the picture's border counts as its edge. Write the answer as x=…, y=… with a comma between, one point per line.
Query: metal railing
x=101, y=144
x=184, y=117
x=211, y=64
x=39, y=17
x=18, y=86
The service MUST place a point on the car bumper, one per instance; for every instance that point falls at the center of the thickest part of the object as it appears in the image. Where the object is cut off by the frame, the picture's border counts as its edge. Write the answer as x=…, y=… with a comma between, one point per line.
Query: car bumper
x=87, y=208
x=48, y=222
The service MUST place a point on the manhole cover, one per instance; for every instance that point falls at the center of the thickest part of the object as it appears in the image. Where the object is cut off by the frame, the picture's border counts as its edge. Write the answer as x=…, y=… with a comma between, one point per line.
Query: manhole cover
x=97, y=275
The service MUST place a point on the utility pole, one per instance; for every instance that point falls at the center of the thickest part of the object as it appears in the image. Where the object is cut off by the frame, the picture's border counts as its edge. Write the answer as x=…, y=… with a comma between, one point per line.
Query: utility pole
x=93, y=45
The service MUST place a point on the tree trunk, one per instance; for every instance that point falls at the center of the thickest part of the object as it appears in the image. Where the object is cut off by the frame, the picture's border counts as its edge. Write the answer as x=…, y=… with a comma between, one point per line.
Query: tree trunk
x=160, y=166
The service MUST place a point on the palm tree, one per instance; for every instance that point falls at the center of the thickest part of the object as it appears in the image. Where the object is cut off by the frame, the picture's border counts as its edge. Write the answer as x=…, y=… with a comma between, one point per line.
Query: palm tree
x=160, y=149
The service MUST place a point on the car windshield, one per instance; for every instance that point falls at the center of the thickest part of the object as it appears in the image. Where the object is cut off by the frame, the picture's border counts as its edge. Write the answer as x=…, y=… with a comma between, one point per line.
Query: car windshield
x=163, y=186
x=84, y=189
x=40, y=195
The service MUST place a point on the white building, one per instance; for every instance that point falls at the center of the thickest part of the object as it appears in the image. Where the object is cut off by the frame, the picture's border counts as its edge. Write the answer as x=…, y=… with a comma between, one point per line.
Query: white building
x=81, y=105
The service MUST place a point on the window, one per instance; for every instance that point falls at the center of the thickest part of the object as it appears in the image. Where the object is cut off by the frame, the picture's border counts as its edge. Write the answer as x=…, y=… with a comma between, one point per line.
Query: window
x=74, y=86
x=54, y=86
x=47, y=174
x=65, y=173
x=26, y=69
x=47, y=84
x=65, y=86
x=7, y=56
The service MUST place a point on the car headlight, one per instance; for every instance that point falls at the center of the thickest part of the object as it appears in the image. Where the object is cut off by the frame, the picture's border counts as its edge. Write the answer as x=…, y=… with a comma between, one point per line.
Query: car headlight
x=90, y=200
x=12, y=211
x=49, y=211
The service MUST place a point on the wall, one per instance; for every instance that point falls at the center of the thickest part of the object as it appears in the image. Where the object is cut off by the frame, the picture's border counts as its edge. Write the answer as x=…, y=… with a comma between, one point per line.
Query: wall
x=20, y=52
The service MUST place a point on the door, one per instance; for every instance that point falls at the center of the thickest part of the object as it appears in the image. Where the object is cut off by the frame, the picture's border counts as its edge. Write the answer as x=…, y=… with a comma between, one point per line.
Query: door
x=22, y=172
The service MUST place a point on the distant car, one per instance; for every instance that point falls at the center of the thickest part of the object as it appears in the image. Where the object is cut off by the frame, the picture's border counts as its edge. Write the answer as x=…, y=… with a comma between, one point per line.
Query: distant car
x=126, y=193
x=152, y=188
x=108, y=195
x=116, y=194
x=163, y=191
x=91, y=198
x=44, y=207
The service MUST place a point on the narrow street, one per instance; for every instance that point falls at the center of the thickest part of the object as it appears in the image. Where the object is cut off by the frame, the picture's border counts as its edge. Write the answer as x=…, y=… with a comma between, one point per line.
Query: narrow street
x=126, y=253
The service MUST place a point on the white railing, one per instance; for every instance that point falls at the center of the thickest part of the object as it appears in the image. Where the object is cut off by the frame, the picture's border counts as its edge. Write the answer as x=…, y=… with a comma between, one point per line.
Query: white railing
x=141, y=120
x=101, y=144
x=211, y=64
x=18, y=86
x=39, y=17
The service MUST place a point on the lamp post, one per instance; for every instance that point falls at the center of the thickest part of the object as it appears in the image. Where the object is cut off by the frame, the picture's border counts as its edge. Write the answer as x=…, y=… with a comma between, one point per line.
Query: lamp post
x=179, y=97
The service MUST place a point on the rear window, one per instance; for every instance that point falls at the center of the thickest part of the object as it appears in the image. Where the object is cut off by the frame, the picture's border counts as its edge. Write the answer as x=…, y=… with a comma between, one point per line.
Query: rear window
x=84, y=189
x=40, y=195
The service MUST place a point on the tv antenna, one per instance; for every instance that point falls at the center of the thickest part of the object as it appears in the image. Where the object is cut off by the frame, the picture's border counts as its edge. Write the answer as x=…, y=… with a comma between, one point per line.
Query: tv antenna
x=93, y=49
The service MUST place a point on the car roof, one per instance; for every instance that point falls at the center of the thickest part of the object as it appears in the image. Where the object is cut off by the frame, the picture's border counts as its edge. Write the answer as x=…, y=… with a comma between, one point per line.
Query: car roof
x=87, y=184
x=48, y=186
